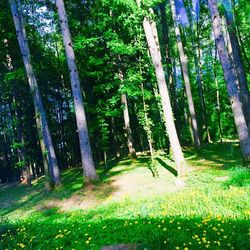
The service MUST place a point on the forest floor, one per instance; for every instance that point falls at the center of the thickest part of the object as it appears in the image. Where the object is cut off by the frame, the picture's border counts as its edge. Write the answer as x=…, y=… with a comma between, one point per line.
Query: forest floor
x=208, y=209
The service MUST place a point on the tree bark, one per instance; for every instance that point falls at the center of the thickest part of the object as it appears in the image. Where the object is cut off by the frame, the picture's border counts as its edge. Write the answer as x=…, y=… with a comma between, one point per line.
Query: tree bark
x=195, y=34
x=37, y=99
x=231, y=80
x=218, y=105
x=238, y=63
x=170, y=65
x=85, y=148
x=167, y=109
x=130, y=145
x=184, y=67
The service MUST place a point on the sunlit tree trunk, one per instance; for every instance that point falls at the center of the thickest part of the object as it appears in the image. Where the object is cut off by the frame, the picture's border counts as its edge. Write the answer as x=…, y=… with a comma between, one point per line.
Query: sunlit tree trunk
x=184, y=67
x=41, y=119
x=167, y=109
x=231, y=80
x=85, y=148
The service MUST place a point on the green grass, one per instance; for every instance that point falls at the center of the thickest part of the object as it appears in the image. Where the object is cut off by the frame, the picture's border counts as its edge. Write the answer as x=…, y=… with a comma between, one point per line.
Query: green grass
x=129, y=205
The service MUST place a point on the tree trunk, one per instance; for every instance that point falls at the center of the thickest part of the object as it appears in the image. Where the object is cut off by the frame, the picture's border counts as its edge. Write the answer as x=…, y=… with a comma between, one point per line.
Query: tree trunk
x=198, y=70
x=21, y=149
x=170, y=65
x=218, y=105
x=85, y=148
x=242, y=43
x=128, y=132
x=26, y=178
x=184, y=67
x=238, y=63
x=231, y=80
x=39, y=109
x=167, y=109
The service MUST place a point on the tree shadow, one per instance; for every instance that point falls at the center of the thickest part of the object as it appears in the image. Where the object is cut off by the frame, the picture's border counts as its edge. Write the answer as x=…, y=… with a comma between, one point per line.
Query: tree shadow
x=167, y=167
x=222, y=155
x=73, y=186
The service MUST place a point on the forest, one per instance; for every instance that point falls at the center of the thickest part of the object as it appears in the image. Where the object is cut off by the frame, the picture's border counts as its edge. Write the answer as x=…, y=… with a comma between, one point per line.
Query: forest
x=124, y=124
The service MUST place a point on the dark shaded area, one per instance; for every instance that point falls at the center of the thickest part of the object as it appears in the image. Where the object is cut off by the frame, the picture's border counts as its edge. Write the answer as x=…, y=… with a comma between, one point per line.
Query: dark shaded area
x=227, y=154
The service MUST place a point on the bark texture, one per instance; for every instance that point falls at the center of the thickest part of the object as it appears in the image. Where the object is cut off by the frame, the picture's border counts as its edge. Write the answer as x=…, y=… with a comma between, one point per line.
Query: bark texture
x=85, y=148
x=42, y=125
x=231, y=81
x=165, y=100
x=238, y=64
x=184, y=67
x=127, y=127
x=130, y=145
x=197, y=53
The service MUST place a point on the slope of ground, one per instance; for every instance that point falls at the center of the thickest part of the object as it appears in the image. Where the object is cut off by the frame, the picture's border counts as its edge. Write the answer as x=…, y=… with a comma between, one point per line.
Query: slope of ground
x=209, y=208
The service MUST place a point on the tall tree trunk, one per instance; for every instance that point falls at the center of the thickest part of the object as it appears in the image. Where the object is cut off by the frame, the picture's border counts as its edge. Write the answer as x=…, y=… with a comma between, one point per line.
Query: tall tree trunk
x=21, y=149
x=85, y=148
x=218, y=105
x=231, y=80
x=167, y=109
x=242, y=43
x=26, y=178
x=128, y=132
x=238, y=63
x=184, y=67
x=170, y=64
x=37, y=99
x=195, y=34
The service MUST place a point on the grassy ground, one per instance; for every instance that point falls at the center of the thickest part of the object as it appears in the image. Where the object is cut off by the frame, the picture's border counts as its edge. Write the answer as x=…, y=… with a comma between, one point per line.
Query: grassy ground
x=210, y=208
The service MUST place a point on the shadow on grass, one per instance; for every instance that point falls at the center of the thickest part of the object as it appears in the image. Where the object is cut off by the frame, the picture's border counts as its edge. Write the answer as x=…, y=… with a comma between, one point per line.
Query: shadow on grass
x=73, y=231
x=167, y=167
x=21, y=197
x=227, y=154
x=224, y=156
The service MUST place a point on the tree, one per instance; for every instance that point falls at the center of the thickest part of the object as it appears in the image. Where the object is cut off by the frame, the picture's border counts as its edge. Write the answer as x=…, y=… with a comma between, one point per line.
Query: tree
x=230, y=79
x=165, y=100
x=41, y=120
x=85, y=148
x=237, y=61
x=184, y=67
